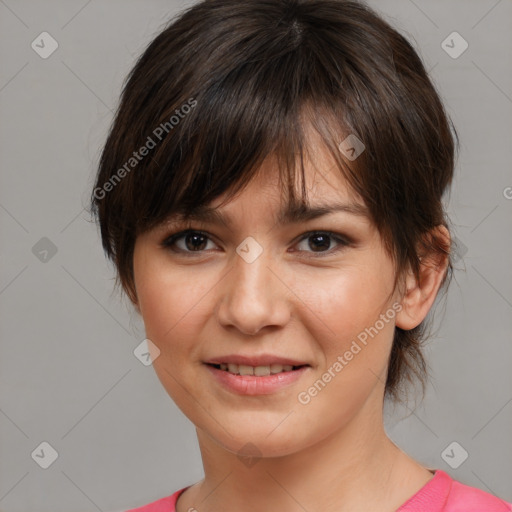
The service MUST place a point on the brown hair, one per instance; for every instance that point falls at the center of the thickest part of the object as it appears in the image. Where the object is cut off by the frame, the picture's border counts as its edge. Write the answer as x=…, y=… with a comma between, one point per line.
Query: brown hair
x=229, y=82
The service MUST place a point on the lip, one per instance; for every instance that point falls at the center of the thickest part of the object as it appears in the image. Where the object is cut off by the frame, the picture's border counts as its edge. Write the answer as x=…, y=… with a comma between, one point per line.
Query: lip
x=261, y=360
x=253, y=385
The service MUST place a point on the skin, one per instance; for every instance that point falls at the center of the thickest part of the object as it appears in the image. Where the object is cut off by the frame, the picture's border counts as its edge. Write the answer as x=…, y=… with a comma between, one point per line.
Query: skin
x=331, y=454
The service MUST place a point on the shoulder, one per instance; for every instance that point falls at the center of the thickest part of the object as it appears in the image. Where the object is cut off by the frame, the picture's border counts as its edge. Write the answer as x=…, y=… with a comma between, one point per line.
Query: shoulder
x=167, y=504
x=464, y=498
x=444, y=494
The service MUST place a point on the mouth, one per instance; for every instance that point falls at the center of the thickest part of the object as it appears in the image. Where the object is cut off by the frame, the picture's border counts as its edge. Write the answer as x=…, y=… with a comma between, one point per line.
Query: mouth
x=258, y=371
x=264, y=379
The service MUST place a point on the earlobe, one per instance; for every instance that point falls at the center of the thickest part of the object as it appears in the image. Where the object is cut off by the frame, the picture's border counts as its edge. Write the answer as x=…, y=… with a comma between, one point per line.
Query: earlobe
x=420, y=293
x=407, y=318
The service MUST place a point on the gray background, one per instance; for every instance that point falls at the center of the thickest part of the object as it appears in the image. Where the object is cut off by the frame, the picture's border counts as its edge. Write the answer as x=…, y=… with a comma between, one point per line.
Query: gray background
x=68, y=375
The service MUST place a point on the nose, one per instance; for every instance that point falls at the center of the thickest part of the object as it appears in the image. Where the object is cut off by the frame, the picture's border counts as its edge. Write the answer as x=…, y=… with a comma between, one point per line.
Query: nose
x=253, y=296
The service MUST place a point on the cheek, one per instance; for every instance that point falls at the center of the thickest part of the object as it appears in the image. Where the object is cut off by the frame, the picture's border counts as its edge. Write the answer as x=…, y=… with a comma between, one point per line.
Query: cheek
x=171, y=302
x=355, y=346
x=343, y=303
x=173, y=308
x=343, y=315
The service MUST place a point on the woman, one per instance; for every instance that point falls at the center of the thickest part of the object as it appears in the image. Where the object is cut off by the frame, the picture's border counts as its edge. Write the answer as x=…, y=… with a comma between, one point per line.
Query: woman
x=282, y=307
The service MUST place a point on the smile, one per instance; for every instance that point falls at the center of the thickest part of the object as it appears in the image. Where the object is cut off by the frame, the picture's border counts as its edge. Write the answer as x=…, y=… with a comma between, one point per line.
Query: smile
x=258, y=371
x=255, y=380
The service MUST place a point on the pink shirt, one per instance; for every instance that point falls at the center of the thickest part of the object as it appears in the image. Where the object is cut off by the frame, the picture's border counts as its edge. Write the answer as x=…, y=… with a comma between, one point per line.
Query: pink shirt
x=440, y=494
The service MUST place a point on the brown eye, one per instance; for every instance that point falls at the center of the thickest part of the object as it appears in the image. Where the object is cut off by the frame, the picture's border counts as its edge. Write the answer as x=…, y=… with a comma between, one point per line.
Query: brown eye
x=321, y=242
x=193, y=241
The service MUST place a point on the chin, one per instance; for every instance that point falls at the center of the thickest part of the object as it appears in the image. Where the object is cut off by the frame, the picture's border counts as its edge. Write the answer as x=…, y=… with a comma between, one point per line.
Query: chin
x=265, y=439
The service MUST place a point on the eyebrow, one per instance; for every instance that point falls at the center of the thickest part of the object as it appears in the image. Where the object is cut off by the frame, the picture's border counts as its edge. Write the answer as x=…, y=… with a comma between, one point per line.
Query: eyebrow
x=291, y=214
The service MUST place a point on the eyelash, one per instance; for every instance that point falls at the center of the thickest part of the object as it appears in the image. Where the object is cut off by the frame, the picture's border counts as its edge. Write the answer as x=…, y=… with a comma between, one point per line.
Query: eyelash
x=169, y=242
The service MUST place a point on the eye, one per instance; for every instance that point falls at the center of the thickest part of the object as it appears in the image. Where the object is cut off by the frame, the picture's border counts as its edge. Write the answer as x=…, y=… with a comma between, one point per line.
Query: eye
x=320, y=242
x=316, y=243
x=193, y=241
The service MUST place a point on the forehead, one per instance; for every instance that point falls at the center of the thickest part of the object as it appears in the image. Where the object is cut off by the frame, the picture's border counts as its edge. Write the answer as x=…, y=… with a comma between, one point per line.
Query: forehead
x=265, y=198
x=324, y=181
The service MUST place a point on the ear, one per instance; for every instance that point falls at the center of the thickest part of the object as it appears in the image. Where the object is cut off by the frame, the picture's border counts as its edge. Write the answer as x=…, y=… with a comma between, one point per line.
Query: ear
x=419, y=294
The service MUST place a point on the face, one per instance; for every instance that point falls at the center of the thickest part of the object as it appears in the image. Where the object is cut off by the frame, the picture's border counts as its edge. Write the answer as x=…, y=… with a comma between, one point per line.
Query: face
x=315, y=292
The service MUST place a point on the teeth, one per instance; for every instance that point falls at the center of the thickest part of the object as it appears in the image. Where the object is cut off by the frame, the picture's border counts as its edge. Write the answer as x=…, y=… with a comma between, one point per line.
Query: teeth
x=245, y=370
x=259, y=371
x=276, y=368
x=262, y=371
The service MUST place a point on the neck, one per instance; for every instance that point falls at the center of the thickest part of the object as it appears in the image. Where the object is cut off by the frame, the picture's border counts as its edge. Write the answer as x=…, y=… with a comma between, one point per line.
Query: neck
x=354, y=468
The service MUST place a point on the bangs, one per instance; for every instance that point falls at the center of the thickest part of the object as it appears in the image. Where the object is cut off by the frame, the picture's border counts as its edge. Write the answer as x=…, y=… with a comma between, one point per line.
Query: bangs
x=256, y=109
